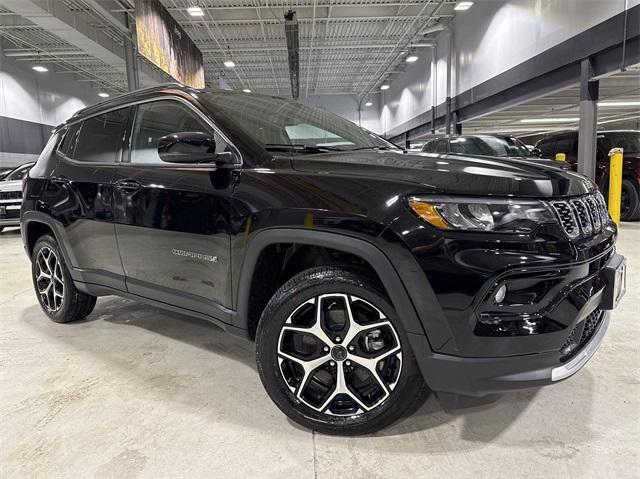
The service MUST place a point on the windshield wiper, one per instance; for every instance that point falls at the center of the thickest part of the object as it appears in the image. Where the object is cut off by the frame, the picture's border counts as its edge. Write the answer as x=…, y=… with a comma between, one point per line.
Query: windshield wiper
x=299, y=148
x=376, y=148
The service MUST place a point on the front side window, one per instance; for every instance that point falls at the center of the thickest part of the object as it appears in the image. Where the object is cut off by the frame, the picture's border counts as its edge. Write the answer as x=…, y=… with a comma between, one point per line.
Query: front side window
x=159, y=118
x=100, y=139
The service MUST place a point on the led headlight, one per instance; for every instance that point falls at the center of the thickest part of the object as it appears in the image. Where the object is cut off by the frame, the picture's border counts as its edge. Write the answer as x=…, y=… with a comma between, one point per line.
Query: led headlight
x=482, y=214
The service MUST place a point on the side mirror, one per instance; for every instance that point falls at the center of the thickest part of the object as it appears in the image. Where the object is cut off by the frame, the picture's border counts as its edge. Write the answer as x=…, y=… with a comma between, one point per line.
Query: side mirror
x=191, y=147
x=537, y=152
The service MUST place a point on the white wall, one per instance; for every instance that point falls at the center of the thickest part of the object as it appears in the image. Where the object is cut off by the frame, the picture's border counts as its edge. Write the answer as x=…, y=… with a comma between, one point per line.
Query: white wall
x=347, y=107
x=44, y=98
x=490, y=38
x=49, y=98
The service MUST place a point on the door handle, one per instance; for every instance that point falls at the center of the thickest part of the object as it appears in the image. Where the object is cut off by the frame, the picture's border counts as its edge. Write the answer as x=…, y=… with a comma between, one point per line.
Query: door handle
x=127, y=186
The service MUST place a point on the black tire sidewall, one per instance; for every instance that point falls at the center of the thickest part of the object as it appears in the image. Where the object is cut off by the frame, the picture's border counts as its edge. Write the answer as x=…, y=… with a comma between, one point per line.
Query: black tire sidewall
x=299, y=289
x=62, y=315
x=634, y=201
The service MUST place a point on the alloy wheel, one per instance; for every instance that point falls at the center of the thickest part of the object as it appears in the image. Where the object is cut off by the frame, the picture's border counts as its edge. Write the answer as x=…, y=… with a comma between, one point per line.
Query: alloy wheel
x=49, y=279
x=339, y=354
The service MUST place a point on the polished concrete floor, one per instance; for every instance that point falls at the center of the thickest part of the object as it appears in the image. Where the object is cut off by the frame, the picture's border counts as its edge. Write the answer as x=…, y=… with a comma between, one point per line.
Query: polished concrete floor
x=134, y=391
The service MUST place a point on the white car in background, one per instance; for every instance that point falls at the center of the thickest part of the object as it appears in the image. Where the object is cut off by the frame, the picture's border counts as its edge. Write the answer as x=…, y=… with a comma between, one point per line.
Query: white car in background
x=11, y=196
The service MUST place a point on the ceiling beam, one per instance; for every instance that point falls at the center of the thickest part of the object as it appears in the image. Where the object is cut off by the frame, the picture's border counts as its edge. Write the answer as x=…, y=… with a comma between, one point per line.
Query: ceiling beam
x=56, y=18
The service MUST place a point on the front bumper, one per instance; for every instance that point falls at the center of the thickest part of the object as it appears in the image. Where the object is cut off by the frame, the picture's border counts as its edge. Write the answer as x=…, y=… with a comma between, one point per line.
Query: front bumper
x=483, y=376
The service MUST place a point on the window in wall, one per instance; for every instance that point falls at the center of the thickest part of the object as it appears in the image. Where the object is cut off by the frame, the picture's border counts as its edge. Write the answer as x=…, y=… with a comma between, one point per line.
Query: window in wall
x=101, y=137
x=159, y=118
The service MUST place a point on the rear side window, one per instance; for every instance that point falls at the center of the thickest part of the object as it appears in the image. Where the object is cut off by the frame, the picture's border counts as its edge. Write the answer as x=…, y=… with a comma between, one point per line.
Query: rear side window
x=101, y=137
x=68, y=145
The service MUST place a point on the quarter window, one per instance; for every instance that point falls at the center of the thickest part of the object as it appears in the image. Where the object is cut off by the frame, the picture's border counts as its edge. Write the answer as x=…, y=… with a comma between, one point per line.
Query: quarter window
x=159, y=118
x=101, y=137
x=68, y=144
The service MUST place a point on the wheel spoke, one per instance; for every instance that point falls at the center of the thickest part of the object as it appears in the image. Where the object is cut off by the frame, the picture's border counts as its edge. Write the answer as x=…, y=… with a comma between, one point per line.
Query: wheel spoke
x=337, y=351
x=49, y=279
x=372, y=363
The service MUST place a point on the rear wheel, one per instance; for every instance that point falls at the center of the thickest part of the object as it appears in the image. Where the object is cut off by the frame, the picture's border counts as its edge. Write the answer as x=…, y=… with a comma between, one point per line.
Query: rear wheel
x=332, y=354
x=630, y=202
x=56, y=293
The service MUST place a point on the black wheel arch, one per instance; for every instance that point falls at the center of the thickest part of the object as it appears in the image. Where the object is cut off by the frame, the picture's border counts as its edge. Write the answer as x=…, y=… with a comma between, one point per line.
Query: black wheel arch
x=365, y=250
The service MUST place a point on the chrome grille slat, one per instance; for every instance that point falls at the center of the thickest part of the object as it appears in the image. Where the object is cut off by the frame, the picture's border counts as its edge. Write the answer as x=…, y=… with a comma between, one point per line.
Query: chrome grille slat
x=582, y=216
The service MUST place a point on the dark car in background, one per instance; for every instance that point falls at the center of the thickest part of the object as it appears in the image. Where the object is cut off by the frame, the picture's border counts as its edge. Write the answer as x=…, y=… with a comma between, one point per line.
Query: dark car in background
x=500, y=146
x=567, y=142
x=11, y=195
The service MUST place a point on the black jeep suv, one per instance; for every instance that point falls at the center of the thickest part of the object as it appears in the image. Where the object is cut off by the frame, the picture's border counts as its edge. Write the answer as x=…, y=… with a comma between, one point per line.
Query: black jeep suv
x=360, y=271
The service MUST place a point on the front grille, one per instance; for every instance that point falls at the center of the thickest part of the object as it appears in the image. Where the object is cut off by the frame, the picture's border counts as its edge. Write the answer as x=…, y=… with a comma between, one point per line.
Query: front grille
x=10, y=195
x=583, y=216
x=581, y=334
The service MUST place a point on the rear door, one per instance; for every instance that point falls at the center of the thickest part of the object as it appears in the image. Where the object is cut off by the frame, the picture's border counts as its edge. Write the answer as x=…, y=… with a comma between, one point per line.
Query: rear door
x=82, y=180
x=172, y=220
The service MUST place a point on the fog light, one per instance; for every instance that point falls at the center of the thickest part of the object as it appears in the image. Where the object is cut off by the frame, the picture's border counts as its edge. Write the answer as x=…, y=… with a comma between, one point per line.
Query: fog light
x=500, y=294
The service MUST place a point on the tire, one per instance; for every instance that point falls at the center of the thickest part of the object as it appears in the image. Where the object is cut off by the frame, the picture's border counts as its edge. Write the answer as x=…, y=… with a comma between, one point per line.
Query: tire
x=288, y=330
x=630, y=210
x=56, y=293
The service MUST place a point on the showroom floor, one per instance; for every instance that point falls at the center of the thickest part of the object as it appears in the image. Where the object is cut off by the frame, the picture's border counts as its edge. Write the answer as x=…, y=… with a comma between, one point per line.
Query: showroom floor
x=138, y=392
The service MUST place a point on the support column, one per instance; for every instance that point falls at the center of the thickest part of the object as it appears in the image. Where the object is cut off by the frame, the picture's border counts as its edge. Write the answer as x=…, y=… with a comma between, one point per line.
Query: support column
x=434, y=88
x=133, y=82
x=587, y=129
x=407, y=142
x=449, y=60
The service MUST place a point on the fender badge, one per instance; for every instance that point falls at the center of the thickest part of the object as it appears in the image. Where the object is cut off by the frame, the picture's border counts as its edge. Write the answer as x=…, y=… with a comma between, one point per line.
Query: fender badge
x=194, y=255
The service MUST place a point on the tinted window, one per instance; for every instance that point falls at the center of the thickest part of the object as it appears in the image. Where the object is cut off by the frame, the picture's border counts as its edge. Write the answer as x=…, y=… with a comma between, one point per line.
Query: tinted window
x=564, y=144
x=279, y=124
x=441, y=146
x=430, y=147
x=469, y=146
x=159, y=118
x=546, y=146
x=628, y=140
x=19, y=173
x=69, y=141
x=100, y=139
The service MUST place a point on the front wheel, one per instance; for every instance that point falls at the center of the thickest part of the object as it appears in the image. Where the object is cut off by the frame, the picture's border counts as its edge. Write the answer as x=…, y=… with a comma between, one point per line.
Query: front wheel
x=333, y=355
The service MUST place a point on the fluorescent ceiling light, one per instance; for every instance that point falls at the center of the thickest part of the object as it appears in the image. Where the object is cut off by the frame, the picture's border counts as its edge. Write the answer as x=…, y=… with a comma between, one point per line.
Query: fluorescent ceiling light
x=229, y=63
x=619, y=103
x=384, y=87
x=40, y=68
x=195, y=11
x=246, y=90
x=460, y=6
x=103, y=94
x=368, y=103
x=548, y=120
x=411, y=59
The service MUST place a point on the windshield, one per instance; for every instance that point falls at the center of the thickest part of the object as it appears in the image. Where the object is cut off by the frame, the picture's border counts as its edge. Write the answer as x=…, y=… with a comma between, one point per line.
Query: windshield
x=629, y=141
x=282, y=125
x=490, y=146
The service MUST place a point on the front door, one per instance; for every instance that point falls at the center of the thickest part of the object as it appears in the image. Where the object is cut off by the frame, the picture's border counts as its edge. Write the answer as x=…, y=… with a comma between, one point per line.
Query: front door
x=172, y=220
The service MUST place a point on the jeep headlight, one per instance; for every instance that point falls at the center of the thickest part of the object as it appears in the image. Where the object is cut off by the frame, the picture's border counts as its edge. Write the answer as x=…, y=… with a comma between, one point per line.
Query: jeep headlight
x=481, y=214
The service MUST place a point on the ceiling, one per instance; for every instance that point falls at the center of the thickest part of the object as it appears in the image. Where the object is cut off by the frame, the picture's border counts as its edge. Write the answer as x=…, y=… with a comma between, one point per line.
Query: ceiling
x=346, y=46
x=565, y=104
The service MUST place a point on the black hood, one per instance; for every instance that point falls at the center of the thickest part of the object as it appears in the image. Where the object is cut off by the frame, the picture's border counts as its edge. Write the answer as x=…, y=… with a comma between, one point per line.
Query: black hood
x=456, y=175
